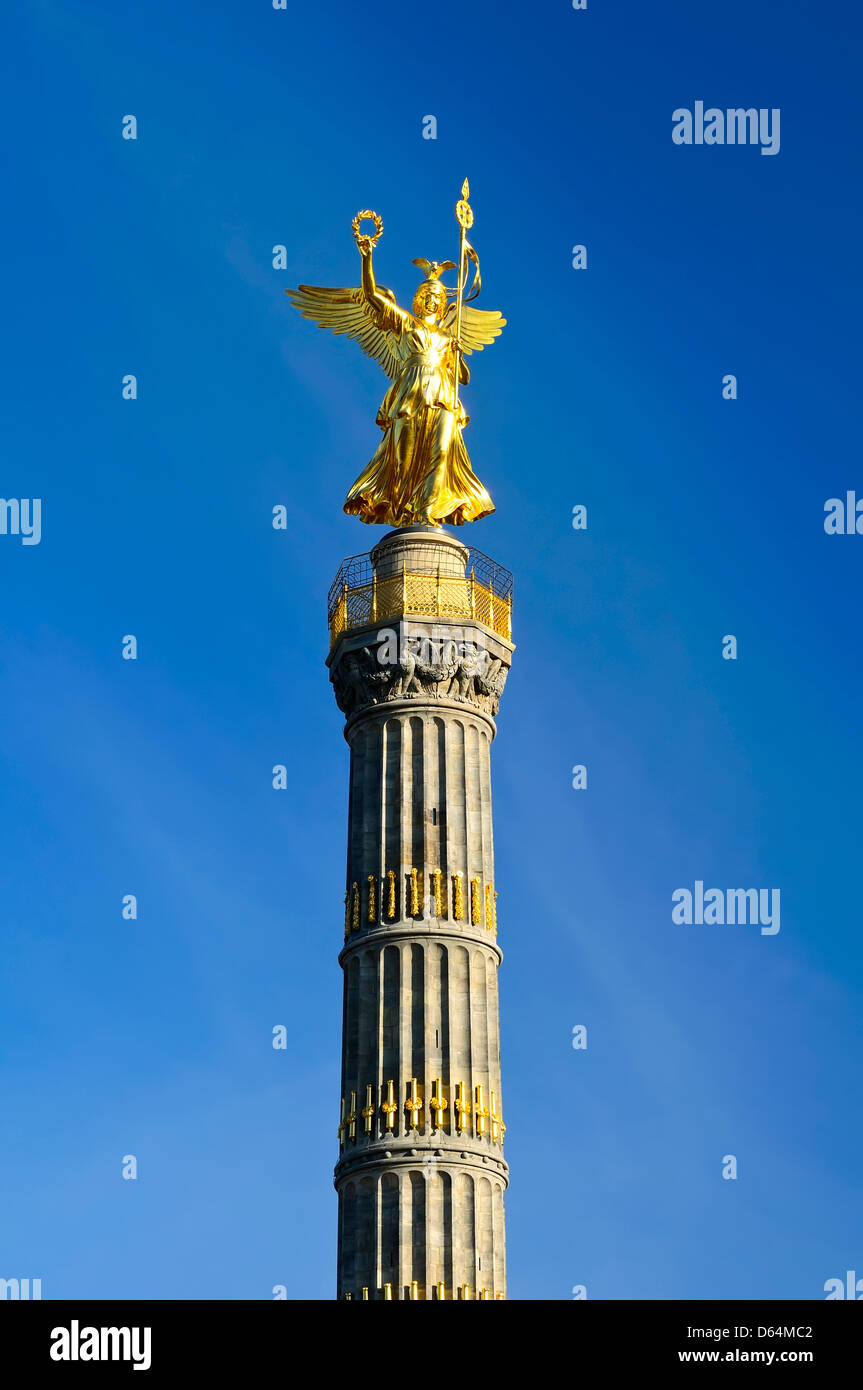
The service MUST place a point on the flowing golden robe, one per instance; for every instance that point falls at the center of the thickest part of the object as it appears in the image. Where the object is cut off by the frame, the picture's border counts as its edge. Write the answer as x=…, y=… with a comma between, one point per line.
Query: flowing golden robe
x=420, y=472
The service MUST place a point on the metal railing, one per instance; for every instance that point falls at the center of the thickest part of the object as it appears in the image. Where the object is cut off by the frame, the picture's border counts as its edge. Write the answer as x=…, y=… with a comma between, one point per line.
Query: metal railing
x=359, y=599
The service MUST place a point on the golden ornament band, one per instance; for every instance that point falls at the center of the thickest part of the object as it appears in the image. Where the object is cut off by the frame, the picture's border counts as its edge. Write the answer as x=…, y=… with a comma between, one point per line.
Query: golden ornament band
x=417, y=1293
x=483, y=900
x=465, y=1113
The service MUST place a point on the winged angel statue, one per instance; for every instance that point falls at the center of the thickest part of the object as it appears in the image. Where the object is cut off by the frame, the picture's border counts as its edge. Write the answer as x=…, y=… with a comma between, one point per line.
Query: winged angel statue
x=420, y=473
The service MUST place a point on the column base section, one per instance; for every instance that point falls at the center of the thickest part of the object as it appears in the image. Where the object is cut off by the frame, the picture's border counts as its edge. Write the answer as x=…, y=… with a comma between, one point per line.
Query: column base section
x=421, y=1224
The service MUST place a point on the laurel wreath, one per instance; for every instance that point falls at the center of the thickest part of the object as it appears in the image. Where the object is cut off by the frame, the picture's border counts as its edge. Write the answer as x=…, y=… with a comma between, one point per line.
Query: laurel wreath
x=365, y=216
x=464, y=214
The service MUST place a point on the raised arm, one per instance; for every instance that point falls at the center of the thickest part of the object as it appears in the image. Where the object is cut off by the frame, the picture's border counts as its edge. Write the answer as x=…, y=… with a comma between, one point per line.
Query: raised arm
x=382, y=301
x=370, y=289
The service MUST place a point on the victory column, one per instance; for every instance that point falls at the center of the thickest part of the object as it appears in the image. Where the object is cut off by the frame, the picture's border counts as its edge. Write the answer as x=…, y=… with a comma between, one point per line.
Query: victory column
x=420, y=647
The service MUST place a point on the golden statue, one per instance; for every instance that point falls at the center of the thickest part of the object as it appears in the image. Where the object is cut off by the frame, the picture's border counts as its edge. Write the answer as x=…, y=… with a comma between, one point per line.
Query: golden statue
x=420, y=473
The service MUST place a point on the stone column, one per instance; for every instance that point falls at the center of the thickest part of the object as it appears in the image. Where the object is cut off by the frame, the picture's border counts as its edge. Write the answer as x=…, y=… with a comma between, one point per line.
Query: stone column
x=421, y=1174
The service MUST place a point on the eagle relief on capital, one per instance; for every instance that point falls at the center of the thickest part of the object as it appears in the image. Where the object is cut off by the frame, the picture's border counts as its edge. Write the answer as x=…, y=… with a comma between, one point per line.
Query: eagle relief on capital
x=418, y=668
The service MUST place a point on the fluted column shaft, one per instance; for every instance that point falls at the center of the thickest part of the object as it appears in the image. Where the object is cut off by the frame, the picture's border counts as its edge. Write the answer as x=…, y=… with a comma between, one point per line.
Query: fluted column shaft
x=421, y=1175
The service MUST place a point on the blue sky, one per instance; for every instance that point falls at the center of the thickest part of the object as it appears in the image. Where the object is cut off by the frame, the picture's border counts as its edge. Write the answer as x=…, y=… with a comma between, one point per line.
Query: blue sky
x=705, y=517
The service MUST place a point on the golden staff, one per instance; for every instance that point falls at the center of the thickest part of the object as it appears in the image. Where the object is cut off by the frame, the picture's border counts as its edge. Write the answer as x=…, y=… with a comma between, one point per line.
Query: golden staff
x=464, y=217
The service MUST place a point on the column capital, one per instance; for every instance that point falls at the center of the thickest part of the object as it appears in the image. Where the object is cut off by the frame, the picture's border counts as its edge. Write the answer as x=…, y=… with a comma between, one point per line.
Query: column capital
x=408, y=661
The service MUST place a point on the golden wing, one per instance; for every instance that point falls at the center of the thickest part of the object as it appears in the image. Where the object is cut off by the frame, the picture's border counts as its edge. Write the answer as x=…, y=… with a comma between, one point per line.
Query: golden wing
x=479, y=327
x=349, y=312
